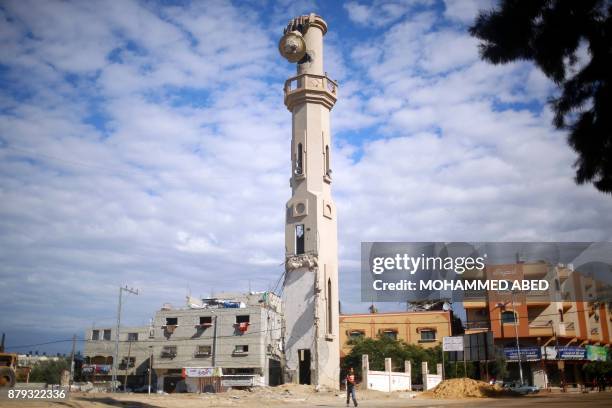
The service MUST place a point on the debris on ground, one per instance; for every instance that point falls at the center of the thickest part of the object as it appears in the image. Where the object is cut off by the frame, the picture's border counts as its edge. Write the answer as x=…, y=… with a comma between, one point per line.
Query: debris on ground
x=460, y=388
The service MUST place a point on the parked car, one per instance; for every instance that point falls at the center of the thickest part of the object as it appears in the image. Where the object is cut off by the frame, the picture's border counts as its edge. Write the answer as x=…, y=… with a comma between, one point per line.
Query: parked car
x=522, y=389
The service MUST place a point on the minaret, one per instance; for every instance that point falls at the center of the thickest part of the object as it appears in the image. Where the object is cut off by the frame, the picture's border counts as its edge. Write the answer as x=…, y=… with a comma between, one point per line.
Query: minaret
x=312, y=352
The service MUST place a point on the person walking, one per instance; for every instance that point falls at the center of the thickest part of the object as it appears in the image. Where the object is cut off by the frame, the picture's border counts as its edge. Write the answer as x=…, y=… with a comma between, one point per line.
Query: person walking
x=350, y=387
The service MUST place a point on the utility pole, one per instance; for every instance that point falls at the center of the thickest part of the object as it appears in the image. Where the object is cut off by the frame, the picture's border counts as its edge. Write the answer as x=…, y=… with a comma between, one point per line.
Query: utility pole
x=116, y=358
x=214, y=350
x=72, y=360
x=150, y=367
x=518, y=347
x=127, y=365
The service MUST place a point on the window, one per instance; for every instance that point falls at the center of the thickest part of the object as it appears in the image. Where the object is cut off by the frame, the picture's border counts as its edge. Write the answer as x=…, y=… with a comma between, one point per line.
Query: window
x=299, y=239
x=299, y=161
x=171, y=321
x=390, y=333
x=205, y=320
x=508, y=316
x=242, y=319
x=427, y=335
x=327, y=168
x=168, y=352
x=241, y=349
x=203, y=351
x=330, y=318
x=128, y=362
x=132, y=337
x=95, y=334
x=356, y=334
x=107, y=334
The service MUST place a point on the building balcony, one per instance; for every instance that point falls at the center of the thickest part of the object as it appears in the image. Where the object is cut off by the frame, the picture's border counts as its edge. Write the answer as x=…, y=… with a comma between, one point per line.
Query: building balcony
x=310, y=88
x=538, y=297
x=540, y=328
x=477, y=326
x=167, y=354
x=474, y=299
x=567, y=329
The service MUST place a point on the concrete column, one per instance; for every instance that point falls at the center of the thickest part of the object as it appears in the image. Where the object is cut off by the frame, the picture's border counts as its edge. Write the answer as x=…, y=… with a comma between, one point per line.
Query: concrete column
x=388, y=370
x=365, y=367
x=408, y=370
x=424, y=372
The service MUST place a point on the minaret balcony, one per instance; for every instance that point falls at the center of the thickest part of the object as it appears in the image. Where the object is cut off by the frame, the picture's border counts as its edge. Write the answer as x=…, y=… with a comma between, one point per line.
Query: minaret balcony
x=310, y=88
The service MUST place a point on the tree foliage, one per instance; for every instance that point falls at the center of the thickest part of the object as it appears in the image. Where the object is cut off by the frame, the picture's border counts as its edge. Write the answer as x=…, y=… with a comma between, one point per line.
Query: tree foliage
x=383, y=347
x=550, y=33
x=598, y=369
x=49, y=371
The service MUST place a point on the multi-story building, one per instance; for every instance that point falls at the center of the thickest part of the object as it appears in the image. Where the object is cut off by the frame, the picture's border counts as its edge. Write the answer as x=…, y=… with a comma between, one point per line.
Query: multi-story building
x=238, y=334
x=425, y=328
x=241, y=334
x=134, y=354
x=555, y=327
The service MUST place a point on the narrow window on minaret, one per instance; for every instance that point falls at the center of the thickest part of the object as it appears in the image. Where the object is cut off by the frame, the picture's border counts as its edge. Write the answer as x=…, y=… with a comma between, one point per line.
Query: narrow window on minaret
x=299, y=162
x=327, y=172
x=329, y=307
x=299, y=239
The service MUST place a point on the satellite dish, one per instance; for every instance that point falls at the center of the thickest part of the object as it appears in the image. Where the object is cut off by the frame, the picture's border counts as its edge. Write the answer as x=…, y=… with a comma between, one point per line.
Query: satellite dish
x=446, y=306
x=292, y=46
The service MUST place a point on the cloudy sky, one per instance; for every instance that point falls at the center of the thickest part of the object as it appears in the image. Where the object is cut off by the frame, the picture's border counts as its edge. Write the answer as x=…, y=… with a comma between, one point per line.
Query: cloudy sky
x=147, y=144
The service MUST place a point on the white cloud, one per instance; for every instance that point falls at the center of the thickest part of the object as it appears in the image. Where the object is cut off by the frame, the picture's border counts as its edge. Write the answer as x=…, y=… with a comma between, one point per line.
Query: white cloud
x=382, y=12
x=465, y=11
x=185, y=185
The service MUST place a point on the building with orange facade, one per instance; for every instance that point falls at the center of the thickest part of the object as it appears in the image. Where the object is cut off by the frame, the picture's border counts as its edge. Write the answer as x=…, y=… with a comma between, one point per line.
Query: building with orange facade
x=558, y=329
x=425, y=328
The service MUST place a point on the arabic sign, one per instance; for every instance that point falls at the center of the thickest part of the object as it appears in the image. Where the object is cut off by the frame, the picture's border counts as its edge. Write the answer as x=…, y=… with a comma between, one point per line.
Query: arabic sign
x=194, y=372
x=527, y=353
x=454, y=343
x=596, y=353
x=237, y=382
x=572, y=353
x=96, y=368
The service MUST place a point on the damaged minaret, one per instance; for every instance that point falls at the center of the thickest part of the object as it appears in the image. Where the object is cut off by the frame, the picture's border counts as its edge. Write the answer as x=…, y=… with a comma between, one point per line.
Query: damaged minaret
x=311, y=238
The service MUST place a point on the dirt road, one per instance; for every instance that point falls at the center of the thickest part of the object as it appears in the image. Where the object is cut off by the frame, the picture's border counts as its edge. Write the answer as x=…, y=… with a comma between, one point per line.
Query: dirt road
x=302, y=400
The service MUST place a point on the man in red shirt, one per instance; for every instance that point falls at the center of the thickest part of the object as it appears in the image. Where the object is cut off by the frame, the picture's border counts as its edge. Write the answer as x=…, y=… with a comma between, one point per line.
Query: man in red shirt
x=350, y=387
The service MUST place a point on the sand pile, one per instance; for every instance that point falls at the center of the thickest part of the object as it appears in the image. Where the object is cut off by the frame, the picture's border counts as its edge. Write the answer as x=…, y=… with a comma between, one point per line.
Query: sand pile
x=458, y=388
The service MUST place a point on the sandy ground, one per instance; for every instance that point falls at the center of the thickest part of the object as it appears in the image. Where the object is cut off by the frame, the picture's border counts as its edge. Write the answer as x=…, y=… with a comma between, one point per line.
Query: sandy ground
x=298, y=397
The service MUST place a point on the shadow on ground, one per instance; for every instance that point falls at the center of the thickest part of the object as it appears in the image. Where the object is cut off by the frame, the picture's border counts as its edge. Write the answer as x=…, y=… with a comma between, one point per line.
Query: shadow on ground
x=112, y=402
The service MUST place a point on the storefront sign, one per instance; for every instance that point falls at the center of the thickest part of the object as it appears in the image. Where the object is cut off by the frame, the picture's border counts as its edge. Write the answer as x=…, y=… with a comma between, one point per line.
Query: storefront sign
x=194, y=372
x=237, y=382
x=96, y=368
x=527, y=354
x=454, y=343
x=572, y=353
x=596, y=353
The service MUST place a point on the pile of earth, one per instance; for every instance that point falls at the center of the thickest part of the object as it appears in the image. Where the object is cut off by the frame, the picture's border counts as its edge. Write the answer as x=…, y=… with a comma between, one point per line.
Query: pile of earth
x=459, y=388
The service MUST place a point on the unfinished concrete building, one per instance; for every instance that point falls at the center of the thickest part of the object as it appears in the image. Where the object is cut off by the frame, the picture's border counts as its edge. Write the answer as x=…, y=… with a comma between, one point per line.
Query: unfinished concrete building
x=232, y=340
x=311, y=239
x=134, y=353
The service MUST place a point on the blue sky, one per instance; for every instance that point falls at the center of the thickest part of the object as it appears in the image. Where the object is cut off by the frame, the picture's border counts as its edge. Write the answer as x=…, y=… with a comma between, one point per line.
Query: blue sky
x=146, y=143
